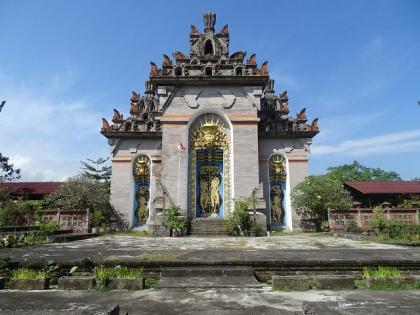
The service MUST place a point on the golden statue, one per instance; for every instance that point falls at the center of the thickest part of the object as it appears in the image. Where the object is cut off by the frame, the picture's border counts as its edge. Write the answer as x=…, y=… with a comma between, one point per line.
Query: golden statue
x=143, y=200
x=277, y=211
x=214, y=194
x=204, y=195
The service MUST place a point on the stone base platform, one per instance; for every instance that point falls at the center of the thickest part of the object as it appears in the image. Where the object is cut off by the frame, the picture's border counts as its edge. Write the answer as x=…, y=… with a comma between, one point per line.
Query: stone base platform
x=268, y=256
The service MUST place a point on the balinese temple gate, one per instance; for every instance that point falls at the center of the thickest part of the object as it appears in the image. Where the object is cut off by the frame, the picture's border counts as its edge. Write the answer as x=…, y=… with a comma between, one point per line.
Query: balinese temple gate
x=209, y=129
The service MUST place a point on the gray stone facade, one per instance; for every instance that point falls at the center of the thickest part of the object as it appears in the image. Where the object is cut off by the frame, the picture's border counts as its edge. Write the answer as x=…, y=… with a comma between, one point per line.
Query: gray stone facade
x=196, y=108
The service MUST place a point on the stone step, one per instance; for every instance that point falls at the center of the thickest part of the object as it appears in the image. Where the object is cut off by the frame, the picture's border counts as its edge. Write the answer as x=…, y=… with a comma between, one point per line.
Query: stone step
x=211, y=226
x=208, y=271
x=208, y=282
x=208, y=277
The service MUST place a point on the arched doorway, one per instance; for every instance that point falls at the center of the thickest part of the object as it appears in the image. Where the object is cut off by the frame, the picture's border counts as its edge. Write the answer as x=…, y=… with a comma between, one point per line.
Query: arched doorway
x=209, y=166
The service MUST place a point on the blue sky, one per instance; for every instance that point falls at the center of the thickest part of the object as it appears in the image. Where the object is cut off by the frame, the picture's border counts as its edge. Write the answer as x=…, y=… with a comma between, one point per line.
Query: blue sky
x=353, y=64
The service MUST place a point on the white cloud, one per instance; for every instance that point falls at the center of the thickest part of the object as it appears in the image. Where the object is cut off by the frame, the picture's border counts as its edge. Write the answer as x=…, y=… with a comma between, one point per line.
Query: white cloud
x=408, y=141
x=43, y=135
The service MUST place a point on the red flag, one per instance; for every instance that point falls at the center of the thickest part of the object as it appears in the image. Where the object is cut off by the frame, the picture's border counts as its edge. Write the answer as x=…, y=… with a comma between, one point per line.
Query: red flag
x=180, y=146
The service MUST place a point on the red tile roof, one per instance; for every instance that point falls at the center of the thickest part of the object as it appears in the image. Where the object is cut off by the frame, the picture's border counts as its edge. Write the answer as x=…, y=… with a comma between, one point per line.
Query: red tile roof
x=30, y=188
x=389, y=187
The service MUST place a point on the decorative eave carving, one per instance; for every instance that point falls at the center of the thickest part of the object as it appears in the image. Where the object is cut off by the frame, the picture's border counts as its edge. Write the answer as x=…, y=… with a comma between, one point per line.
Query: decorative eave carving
x=144, y=117
x=275, y=121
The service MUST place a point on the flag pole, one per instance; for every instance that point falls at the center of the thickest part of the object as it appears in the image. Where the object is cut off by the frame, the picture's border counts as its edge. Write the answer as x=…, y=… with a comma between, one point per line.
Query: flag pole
x=179, y=172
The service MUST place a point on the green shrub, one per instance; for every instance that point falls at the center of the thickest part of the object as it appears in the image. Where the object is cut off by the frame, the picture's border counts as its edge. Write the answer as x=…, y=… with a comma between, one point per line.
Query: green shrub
x=172, y=218
x=25, y=273
x=402, y=230
x=96, y=218
x=48, y=228
x=239, y=219
x=378, y=219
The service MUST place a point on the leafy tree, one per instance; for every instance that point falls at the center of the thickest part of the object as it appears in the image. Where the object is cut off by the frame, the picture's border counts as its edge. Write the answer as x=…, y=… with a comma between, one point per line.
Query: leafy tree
x=416, y=179
x=357, y=171
x=96, y=170
x=315, y=195
x=7, y=171
x=81, y=193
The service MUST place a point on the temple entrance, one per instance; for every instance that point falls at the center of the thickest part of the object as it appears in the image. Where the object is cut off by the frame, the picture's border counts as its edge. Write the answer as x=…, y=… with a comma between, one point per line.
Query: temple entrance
x=209, y=183
x=209, y=167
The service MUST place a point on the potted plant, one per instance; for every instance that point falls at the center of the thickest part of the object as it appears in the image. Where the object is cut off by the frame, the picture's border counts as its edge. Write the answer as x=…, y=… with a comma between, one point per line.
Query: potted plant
x=76, y=282
x=27, y=279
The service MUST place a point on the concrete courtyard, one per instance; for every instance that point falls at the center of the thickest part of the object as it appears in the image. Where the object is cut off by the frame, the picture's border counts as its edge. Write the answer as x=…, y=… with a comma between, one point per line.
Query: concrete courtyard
x=286, y=249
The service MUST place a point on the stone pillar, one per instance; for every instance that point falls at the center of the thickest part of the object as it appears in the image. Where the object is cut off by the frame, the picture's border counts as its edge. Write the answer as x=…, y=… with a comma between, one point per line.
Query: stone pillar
x=59, y=218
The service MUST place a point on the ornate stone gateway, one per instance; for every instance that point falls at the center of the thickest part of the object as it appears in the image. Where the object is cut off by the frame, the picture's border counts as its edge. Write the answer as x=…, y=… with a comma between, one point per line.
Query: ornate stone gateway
x=223, y=106
x=277, y=177
x=209, y=166
x=141, y=173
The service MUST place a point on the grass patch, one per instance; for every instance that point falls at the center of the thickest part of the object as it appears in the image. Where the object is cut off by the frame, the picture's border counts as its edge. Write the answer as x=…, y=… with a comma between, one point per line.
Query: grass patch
x=133, y=233
x=158, y=257
x=25, y=273
x=151, y=282
x=297, y=233
x=381, y=272
x=105, y=273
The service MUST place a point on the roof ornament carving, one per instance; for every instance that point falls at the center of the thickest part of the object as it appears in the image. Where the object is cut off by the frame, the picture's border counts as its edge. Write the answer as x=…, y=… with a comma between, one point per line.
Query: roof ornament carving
x=167, y=62
x=209, y=57
x=225, y=29
x=274, y=118
x=209, y=19
x=252, y=60
x=194, y=30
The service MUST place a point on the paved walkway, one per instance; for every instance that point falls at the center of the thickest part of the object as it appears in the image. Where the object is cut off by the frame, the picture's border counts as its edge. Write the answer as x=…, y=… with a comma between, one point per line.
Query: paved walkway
x=213, y=301
x=286, y=250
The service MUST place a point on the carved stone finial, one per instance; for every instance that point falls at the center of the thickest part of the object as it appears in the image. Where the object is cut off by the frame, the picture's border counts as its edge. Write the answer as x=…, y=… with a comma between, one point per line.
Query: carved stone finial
x=301, y=115
x=135, y=97
x=154, y=70
x=167, y=61
x=238, y=55
x=284, y=97
x=194, y=30
x=225, y=29
x=105, y=125
x=314, y=125
x=252, y=60
x=209, y=19
x=179, y=55
x=117, y=118
x=264, y=68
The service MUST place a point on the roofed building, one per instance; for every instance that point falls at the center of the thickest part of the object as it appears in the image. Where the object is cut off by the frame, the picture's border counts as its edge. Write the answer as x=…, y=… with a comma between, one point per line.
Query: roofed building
x=373, y=193
x=30, y=190
x=209, y=129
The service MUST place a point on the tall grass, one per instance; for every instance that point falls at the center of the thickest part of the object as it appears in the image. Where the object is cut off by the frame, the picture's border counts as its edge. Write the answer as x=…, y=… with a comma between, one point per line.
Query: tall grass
x=25, y=273
x=103, y=273
x=381, y=272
